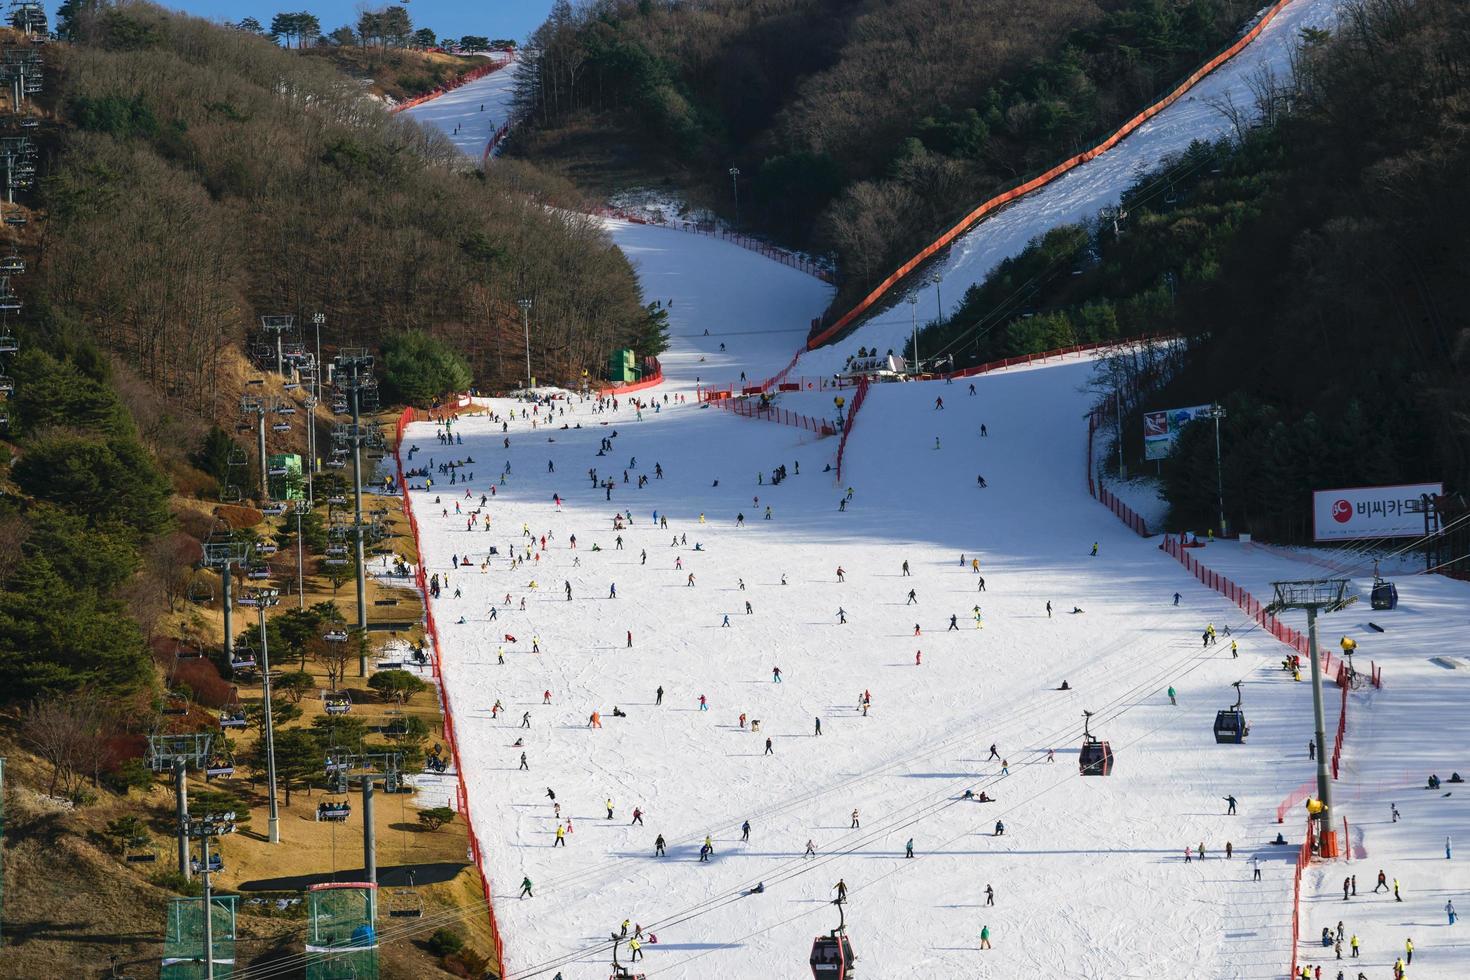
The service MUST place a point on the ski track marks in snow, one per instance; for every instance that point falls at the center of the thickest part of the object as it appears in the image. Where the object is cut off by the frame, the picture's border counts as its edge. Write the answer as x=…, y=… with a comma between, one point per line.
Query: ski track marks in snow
x=1089, y=875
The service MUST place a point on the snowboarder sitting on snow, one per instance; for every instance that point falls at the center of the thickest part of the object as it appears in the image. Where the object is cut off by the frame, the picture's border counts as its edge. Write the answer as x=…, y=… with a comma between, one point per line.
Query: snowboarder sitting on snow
x=1455, y=778
x=1065, y=687
x=1076, y=610
x=619, y=712
x=1000, y=828
x=1433, y=782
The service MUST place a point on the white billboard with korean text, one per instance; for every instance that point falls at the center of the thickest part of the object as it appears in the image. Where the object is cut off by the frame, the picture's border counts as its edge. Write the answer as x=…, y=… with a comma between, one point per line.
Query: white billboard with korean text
x=1371, y=512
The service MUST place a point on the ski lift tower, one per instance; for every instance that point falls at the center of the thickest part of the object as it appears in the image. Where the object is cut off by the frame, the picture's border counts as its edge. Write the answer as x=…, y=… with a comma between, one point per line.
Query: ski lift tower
x=222, y=553
x=28, y=17
x=16, y=152
x=202, y=829
x=255, y=405
x=274, y=328
x=1316, y=596
x=345, y=768
x=176, y=753
x=353, y=375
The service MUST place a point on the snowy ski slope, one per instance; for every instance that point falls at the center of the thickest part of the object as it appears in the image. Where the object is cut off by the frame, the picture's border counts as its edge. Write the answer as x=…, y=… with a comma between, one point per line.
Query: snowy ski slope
x=1089, y=876
x=478, y=109
x=1080, y=194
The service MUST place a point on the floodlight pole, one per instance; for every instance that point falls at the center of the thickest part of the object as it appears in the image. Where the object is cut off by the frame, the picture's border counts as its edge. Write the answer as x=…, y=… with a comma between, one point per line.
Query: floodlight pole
x=208, y=917
x=300, y=555
x=735, y=190
x=357, y=522
x=1118, y=406
x=525, y=305
x=936, y=279
x=1217, y=413
x=914, y=309
x=265, y=598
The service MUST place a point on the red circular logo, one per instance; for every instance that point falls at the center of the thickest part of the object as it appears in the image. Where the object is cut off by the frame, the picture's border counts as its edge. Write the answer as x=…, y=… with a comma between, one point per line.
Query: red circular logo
x=1342, y=511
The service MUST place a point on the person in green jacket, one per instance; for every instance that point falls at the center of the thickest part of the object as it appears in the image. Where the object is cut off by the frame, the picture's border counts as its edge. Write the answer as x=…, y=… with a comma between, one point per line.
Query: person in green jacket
x=1172, y=698
x=984, y=937
x=526, y=888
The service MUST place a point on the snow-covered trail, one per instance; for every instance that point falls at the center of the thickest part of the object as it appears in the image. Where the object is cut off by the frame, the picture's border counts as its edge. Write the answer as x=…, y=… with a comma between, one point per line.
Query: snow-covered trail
x=1080, y=194
x=1089, y=877
x=470, y=114
x=719, y=293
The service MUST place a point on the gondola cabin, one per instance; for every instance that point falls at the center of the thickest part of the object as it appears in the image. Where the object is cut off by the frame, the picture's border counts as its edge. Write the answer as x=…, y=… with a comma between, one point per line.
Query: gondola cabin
x=1385, y=595
x=1230, y=724
x=832, y=957
x=1230, y=727
x=1095, y=757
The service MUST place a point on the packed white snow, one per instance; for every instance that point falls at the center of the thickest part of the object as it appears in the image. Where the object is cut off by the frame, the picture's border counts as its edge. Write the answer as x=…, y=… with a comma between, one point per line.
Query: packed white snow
x=1090, y=878
x=470, y=114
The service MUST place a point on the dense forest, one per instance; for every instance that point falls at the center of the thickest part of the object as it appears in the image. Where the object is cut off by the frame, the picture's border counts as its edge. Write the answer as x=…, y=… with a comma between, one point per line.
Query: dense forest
x=859, y=129
x=1314, y=263
x=194, y=177
x=212, y=177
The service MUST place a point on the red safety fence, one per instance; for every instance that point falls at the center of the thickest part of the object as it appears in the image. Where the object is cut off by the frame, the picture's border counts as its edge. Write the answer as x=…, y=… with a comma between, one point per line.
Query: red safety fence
x=1303, y=859
x=1041, y=180
x=781, y=255
x=857, y=403
x=653, y=374
x=772, y=413
x=1298, y=795
x=431, y=633
x=1295, y=639
x=496, y=138
x=1100, y=493
x=474, y=74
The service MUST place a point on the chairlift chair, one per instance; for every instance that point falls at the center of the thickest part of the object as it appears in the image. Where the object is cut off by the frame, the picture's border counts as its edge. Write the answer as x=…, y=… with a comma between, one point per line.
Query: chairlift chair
x=832, y=957
x=12, y=264
x=281, y=426
x=243, y=658
x=16, y=220
x=336, y=703
x=287, y=408
x=7, y=385
x=1230, y=723
x=232, y=715
x=237, y=457
x=406, y=902
x=201, y=592
x=1096, y=757
x=335, y=636
x=266, y=548
x=8, y=344
x=219, y=769
x=258, y=572
x=276, y=470
x=231, y=494
x=273, y=509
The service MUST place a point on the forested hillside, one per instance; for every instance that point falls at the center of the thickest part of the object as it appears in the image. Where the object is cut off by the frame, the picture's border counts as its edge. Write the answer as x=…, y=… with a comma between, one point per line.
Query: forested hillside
x=860, y=128
x=1316, y=264
x=212, y=177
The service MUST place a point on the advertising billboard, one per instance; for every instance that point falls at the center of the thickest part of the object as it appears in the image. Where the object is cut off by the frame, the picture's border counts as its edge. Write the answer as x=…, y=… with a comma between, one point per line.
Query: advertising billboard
x=1371, y=512
x=1161, y=429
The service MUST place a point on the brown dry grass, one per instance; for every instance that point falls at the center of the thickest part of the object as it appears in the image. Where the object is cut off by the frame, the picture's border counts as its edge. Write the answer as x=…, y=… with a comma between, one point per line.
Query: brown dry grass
x=70, y=903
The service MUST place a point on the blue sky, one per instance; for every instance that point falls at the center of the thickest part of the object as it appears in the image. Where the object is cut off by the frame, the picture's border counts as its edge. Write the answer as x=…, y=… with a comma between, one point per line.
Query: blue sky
x=448, y=18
